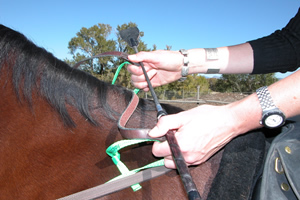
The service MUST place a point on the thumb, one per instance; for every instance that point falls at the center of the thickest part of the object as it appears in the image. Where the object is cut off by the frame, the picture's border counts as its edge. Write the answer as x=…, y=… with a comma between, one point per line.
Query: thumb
x=134, y=58
x=164, y=124
x=143, y=57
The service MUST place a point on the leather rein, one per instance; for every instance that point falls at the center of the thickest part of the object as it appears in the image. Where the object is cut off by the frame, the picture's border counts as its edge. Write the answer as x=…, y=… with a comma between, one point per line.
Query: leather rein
x=127, y=133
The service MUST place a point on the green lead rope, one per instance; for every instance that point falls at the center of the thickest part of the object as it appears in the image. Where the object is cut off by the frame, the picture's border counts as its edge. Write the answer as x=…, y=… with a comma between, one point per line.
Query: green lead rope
x=117, y=74
x=113, y=150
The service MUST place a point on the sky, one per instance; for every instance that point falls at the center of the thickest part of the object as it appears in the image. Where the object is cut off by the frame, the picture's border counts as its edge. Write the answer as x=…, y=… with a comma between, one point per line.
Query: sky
x=183, y=24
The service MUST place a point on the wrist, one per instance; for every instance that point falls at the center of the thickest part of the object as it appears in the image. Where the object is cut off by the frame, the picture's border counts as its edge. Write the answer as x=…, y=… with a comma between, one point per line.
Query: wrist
x=203, y=60
x=185, y=66
x=196, y=60
x=246, y=117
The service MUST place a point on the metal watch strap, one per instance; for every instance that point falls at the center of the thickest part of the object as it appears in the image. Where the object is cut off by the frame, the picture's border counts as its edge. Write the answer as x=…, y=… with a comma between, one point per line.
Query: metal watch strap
x=265, y=98
x=185, y=68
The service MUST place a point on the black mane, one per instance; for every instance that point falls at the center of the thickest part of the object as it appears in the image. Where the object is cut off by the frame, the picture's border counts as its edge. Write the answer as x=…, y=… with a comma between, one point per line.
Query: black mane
x=34, y=68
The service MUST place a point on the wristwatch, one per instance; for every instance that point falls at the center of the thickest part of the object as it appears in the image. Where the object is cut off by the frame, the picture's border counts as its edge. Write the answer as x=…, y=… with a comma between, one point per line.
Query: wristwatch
x=272, y=117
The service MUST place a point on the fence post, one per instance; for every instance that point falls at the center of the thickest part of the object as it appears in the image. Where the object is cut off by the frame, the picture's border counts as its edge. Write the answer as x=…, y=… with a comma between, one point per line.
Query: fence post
x=198, y=92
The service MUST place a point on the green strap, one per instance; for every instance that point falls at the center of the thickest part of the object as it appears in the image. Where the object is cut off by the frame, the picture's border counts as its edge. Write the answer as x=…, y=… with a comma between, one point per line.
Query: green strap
x=112, y=151
x=117, y=74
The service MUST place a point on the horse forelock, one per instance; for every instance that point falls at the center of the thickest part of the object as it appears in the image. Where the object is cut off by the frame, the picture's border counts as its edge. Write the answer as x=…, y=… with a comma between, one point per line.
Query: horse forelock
x=35, y=69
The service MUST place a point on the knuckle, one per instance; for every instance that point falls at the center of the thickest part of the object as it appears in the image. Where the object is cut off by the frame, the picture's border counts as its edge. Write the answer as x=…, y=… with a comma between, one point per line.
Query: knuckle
x=190, y=159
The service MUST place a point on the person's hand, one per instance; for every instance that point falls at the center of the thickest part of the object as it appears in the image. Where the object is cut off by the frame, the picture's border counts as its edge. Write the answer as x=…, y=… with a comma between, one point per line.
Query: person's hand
x=162, y=67
x=201, y=132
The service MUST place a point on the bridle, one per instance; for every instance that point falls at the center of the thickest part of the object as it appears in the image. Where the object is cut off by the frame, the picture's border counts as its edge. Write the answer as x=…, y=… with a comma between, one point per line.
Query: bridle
x=127, y=133
x=118, y=54
x=130, y=36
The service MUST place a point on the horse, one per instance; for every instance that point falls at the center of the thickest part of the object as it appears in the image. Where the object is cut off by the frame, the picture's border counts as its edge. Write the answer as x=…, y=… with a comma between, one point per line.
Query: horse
x=57, y=121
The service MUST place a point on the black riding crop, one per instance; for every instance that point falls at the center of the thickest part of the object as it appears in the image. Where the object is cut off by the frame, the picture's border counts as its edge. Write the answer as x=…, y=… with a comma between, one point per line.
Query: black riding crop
x=131, y=36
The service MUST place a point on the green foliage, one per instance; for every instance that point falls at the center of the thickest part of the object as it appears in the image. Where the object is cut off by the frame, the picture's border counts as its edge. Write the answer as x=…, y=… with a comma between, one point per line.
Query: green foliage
x=190, y=84
x=194, y=80
x=246, y=83
x=92, y=41
x=212, y=83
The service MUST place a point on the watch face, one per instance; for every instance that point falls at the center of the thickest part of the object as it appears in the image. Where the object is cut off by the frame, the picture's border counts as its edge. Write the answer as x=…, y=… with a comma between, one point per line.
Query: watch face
x=274, y=120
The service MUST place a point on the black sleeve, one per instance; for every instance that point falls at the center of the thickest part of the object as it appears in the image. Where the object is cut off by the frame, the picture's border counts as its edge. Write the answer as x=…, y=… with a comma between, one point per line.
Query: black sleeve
x=280, y=51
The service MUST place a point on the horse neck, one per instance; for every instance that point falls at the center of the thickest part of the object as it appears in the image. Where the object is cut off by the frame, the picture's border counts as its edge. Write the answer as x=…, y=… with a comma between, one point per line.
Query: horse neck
x=43, y=150
x=144, y=115
x=40, y=145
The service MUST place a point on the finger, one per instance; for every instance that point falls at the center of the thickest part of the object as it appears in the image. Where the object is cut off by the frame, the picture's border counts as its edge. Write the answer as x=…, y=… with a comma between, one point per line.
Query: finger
x=141, y=77
x=161, y=149
x=139, y=82
x=169, y=162
x=165, y=124
x=142, y=57
x=140, y=85
x=135, y=58
x=136, y=70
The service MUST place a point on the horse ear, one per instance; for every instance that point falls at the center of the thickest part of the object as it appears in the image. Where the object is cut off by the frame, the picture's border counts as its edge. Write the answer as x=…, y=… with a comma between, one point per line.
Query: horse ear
x=130, y=35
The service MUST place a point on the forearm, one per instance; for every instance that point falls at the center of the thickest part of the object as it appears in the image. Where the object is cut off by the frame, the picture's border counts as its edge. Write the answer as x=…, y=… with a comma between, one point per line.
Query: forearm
x=286, y=97
x=231, y=60
x=286, y=94
x=278, y=52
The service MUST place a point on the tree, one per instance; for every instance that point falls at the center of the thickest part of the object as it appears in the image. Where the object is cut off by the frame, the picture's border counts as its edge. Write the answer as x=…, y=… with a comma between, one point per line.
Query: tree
x=194, y=80
x=243, y=83
x=168, y=47
x=89, y=42
x=212, y=83
x=123, y=46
